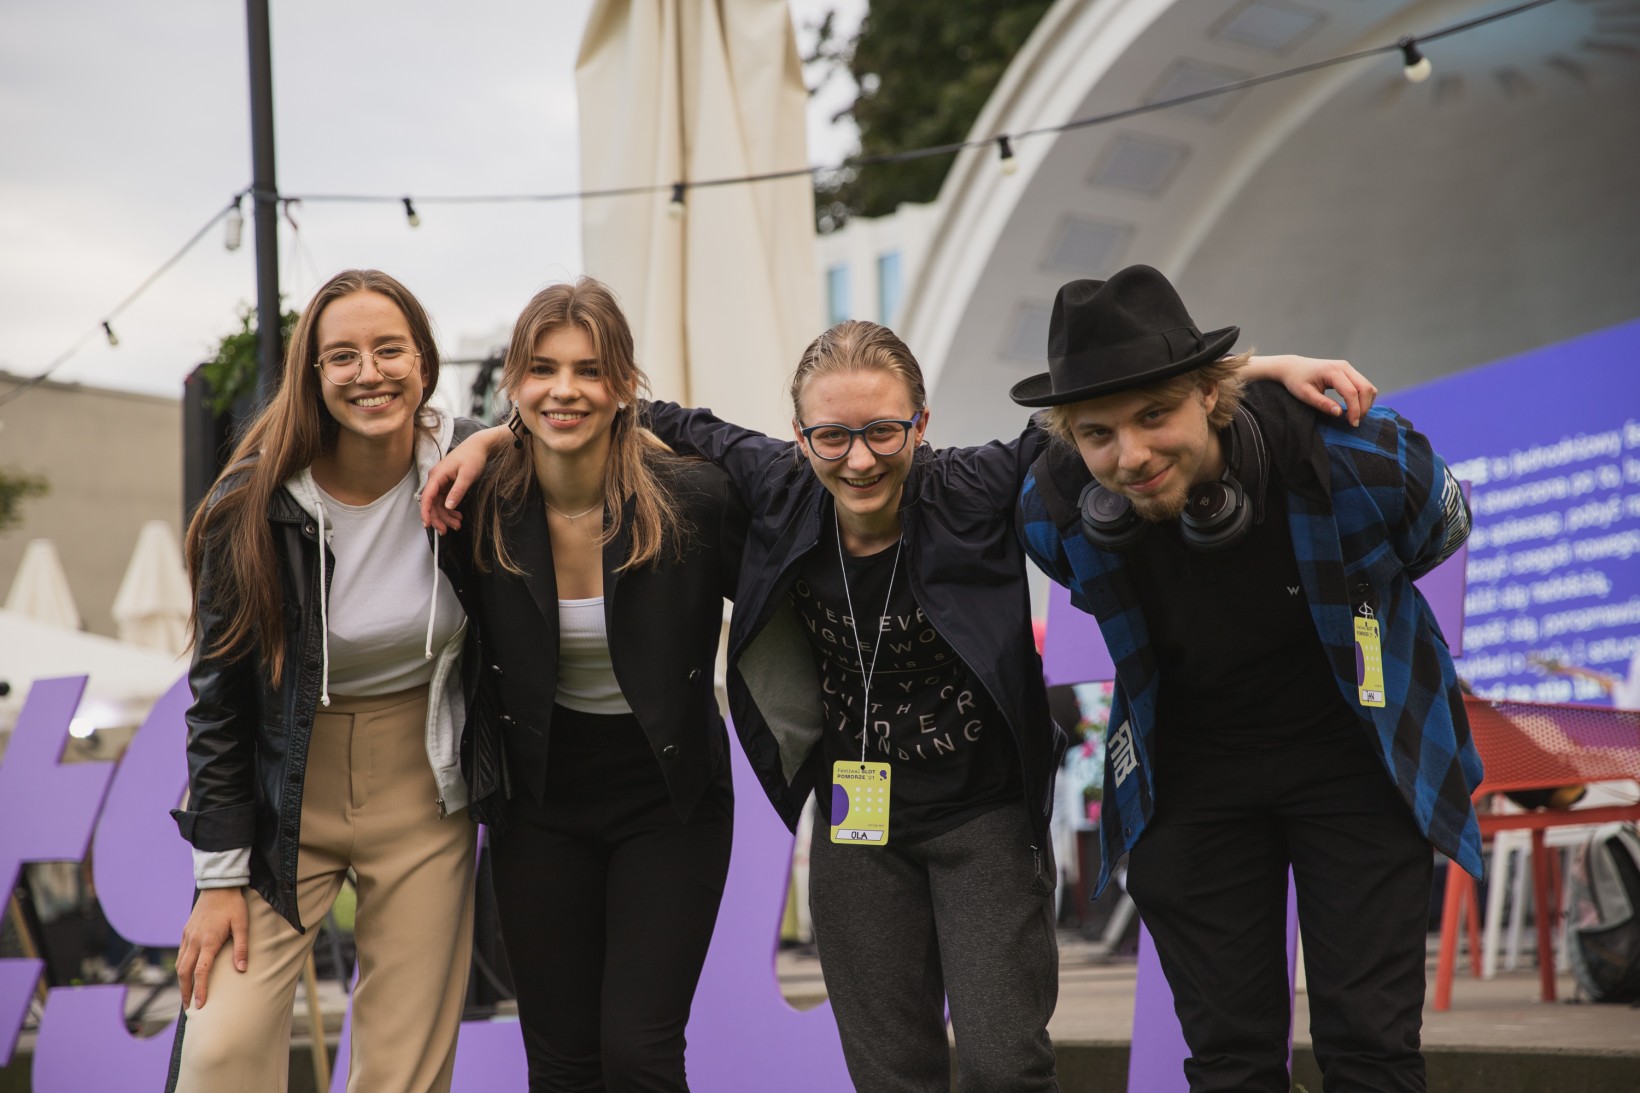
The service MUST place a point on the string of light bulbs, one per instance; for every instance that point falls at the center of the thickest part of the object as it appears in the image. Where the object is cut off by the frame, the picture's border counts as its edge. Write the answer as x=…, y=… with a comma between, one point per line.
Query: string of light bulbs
x=105, y=325
x=1416, y=68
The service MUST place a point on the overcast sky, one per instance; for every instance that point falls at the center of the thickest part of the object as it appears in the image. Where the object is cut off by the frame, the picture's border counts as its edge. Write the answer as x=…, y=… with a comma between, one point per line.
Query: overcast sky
x=125, y=126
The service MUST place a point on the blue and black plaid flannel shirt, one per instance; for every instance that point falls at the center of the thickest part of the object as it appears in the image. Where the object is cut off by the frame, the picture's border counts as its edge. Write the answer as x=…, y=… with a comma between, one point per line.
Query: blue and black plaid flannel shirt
x=1370, y=509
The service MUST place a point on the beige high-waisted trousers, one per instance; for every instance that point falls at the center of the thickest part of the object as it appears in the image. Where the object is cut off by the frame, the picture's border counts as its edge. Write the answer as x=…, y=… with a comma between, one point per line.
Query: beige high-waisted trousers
x=369, y=802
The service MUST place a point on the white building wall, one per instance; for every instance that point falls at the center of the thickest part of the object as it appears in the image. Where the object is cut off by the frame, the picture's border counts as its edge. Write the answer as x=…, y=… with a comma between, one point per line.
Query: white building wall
x=858, y=248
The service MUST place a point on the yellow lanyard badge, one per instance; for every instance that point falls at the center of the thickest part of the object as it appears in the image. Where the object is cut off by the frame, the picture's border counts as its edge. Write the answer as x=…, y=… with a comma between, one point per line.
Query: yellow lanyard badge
x=859, y=802
x=859, y=790
x=1369, y=659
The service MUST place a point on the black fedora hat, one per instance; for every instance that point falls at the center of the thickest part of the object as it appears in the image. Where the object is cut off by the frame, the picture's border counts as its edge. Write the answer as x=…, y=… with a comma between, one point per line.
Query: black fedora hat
x=1109, y=336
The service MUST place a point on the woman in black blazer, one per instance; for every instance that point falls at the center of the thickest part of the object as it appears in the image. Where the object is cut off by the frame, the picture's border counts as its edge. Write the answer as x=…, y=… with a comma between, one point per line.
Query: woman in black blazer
x=598, y=563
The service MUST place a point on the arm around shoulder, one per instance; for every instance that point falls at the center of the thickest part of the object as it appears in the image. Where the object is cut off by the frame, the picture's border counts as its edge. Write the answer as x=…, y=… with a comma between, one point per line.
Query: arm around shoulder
x=746, y=455
x=991, y=475
x=1432, y=519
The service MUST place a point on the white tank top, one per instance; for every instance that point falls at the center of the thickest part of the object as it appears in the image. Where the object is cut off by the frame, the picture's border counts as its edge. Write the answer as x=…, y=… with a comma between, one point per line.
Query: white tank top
x=586, y=672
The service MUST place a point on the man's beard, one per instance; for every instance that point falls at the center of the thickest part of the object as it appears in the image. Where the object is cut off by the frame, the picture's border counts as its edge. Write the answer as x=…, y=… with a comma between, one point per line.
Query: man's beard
x=1161, y=508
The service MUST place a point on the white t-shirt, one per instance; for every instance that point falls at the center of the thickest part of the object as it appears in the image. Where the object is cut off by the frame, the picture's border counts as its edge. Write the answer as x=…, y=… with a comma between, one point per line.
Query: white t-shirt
x=380, y=588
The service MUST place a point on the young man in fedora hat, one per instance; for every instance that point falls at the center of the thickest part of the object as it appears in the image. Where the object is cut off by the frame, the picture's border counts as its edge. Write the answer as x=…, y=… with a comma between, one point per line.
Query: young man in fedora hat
x=1284, y=698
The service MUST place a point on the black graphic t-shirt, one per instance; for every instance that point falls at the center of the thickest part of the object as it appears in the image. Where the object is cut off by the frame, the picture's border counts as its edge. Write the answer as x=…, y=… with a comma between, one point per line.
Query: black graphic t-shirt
x=1240, y=667
x=929, y=716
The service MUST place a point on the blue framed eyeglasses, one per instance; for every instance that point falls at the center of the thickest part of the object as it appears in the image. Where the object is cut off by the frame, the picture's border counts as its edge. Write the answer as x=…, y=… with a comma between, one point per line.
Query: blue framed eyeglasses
x=886, y=436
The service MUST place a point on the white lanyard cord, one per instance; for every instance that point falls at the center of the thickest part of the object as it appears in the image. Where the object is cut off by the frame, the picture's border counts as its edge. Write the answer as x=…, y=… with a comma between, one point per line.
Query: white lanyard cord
x=866, y=673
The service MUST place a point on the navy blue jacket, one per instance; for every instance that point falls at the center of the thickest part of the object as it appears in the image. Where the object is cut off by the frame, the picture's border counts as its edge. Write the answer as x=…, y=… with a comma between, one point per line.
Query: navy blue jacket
x=966, y=566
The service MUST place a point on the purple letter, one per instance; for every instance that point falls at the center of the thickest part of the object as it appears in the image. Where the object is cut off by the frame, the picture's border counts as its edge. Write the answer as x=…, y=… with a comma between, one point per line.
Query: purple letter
x=144, y=876
x=46, y=814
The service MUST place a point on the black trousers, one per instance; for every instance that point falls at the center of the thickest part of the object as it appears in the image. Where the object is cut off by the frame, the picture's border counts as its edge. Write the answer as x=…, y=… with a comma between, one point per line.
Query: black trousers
x=606, y=902
x=1209, y=876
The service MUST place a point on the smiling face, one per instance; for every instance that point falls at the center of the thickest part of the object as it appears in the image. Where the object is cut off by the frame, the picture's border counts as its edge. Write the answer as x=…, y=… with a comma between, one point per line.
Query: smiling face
x=1149, y=448
x=562, y=397
x=371, y=407
x=867, y=486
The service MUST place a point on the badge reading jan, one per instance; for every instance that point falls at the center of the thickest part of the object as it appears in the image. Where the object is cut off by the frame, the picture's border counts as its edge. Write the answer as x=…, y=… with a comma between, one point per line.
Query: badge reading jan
x=859, y=803
x=1369, y=662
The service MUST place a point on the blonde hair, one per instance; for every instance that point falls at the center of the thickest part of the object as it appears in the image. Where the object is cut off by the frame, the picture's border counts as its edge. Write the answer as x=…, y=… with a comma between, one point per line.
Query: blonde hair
x=1223, y=374
x=855, y=345
x=636, y=460
x=289, y=433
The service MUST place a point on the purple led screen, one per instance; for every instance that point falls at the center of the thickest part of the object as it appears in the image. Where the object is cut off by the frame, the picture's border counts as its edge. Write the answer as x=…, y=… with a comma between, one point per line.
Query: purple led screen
x=1550, y=444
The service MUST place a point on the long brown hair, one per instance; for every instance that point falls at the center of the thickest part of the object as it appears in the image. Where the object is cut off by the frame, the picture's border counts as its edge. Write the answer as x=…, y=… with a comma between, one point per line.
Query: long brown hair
x=636, y=463
x=290, y=432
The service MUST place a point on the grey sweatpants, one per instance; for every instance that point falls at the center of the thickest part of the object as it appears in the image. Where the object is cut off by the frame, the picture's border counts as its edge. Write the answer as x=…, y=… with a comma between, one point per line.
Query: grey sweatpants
x=966, y=916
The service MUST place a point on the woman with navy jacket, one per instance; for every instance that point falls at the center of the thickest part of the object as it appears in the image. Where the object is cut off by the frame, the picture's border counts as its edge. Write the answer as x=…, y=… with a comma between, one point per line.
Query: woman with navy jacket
x=595, y=565
x=882, y=625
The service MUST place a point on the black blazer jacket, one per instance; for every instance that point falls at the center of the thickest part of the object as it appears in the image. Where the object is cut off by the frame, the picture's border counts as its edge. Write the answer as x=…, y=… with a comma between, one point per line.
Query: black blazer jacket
x=664, y=622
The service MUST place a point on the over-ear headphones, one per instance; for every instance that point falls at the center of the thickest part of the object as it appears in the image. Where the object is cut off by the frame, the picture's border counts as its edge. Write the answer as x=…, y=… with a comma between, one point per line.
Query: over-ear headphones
x=1217, y=514
x=1108, y=519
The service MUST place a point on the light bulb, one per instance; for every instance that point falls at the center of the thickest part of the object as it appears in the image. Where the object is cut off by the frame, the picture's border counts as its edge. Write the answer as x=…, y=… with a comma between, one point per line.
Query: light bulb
x=1417, y=67
x=1005, y=151
x=234, y=228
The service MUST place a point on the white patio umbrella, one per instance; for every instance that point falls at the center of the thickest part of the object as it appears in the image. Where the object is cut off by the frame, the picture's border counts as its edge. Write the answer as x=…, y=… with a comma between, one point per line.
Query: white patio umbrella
x=40, y=587
x=151, y=607
x=724, y=298
x=125, y=680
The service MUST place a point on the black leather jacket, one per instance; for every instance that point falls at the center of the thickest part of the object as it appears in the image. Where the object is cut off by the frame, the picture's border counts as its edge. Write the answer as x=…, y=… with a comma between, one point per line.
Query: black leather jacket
x=248, y=740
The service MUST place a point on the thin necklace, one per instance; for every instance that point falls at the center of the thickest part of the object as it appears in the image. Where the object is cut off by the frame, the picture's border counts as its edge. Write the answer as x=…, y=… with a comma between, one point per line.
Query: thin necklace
x=566, y=515
x=866, y=671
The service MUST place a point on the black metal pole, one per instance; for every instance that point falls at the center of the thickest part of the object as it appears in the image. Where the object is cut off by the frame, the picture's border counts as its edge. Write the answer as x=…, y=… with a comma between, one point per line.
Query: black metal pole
x=264, y=195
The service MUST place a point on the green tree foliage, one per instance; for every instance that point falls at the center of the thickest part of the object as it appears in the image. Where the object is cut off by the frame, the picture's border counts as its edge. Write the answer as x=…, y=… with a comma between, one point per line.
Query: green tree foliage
x=15, y=488
x=231, y=374
x=924, y=72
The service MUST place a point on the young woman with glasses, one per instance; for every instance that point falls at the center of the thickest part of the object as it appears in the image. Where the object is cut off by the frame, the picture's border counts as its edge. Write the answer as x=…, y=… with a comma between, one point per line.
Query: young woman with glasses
x=596, y=564
x=328, y=709
x=882, y=635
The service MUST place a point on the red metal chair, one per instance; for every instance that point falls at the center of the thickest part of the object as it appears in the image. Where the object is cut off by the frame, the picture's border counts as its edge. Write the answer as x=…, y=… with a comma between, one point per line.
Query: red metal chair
x=1529, y=745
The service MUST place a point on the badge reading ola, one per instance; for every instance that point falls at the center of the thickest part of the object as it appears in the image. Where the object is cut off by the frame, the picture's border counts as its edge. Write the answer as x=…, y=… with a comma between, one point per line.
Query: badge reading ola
x=859, y=803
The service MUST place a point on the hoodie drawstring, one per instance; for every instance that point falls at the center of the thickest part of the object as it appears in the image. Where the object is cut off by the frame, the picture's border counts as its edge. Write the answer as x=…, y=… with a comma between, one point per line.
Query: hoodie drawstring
x=304, y=484
x=432, y=607
x=324, y=609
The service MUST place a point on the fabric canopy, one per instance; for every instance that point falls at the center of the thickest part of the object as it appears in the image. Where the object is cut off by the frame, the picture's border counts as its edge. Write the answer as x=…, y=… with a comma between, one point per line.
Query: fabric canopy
x=151, y=607
x=724, y=298
x=40, y=588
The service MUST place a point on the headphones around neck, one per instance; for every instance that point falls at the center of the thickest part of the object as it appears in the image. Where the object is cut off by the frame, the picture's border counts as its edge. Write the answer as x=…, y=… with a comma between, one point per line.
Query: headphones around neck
x=1216, y=515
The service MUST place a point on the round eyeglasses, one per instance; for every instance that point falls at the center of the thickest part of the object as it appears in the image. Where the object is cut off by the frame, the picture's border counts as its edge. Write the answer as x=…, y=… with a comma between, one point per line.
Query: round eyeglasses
x=886, y=436
x=342, y=366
